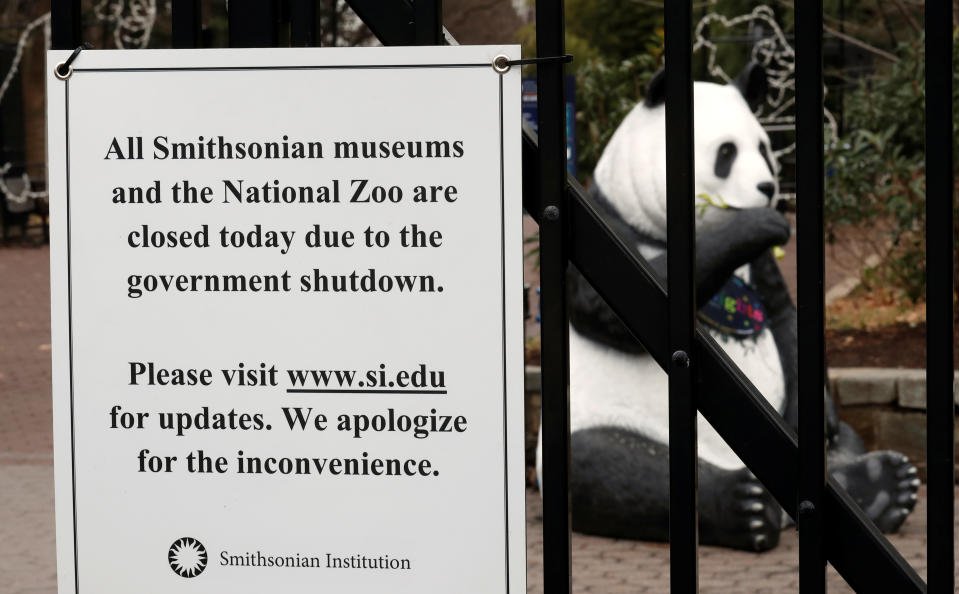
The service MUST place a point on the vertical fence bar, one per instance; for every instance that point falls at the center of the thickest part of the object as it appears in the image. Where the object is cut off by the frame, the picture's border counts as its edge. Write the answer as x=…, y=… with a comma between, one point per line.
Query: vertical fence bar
x=66, y=32
x=303, y=23
x=681, y=250
x=428, y=16
x=550, y=30
x=253, y=23
x=810, y=271
x=186, y=24
x=940, y=219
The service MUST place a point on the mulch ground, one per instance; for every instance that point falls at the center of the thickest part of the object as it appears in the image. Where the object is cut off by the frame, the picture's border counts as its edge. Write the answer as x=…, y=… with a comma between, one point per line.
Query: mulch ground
x=897, y=345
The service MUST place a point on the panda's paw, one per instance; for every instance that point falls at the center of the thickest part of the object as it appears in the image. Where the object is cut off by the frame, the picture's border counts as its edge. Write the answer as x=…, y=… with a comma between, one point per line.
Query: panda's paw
x=741, y=513
x=764, y=225
x=883, y=484
x=758, y=512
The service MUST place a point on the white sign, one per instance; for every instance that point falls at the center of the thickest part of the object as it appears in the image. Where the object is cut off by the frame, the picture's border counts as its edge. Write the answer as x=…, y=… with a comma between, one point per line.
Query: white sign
x=287, y=321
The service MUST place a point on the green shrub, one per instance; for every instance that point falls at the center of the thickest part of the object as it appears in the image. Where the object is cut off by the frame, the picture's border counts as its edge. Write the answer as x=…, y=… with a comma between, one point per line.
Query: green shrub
x=606, y=90
x=876, y=172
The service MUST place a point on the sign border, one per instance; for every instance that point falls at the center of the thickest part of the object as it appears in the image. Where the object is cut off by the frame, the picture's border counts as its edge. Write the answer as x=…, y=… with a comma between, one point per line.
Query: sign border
x=503, y=266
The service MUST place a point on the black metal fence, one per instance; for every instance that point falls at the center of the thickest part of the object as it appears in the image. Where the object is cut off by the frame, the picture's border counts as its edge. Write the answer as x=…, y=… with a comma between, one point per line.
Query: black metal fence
x=574, y=230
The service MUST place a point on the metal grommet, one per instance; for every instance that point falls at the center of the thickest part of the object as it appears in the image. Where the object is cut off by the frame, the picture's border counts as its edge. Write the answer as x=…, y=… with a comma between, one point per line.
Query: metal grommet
x=501, y=64
x=64, y=70
x=59, y=71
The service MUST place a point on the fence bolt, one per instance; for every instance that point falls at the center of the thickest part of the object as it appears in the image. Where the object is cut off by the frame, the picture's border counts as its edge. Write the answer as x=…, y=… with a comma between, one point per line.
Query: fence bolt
x=681, y=359
x=806, y=508
x=551, y=213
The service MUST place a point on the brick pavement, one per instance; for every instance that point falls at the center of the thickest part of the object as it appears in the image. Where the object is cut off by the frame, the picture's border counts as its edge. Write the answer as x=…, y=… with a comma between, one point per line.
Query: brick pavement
x=25, y=406
x=27, y=564
x=613, y=566
x=27, y=556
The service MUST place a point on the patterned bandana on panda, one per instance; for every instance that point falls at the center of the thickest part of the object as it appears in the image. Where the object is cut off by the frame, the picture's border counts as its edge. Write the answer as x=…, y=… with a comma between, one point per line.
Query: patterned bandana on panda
x=736, y=310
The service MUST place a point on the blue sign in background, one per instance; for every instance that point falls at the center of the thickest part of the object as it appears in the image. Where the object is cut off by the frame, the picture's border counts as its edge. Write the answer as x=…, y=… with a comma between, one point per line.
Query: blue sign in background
x=529, y=115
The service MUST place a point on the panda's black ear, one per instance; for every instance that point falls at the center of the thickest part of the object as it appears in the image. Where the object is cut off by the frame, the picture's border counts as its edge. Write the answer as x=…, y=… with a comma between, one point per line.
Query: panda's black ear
x=753, y=85
x=656, y=91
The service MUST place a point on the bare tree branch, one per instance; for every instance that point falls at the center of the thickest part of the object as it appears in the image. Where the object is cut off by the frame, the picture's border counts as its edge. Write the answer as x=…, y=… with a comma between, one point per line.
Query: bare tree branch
x=861, y=44
x=850, y=39
x=906, y=15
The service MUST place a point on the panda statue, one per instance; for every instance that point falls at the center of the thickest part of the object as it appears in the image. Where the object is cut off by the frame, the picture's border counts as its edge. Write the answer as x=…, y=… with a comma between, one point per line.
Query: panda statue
x=618, y=394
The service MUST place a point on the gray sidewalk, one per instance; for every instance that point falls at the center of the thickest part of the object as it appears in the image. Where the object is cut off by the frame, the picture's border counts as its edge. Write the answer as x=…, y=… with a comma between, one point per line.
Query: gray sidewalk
x=27, y=558
x=27, y=564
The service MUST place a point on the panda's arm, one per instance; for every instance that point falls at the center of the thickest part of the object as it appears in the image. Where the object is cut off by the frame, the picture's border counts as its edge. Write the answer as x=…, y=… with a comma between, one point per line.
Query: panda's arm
x=593, y=318
x=782, y=319
x=718, y=253
x=726, y=247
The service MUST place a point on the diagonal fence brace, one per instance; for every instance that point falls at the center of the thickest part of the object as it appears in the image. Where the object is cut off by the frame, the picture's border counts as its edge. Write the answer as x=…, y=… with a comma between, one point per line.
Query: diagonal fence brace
x=731, y=404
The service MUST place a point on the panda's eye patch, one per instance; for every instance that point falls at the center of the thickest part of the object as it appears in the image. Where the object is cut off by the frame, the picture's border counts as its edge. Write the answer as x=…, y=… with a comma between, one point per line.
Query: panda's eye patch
x=765, y=153
x=724, y=160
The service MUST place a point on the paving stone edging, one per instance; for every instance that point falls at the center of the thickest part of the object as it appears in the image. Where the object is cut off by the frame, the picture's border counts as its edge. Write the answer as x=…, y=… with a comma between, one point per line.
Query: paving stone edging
x=850, y=386
x=853, y=386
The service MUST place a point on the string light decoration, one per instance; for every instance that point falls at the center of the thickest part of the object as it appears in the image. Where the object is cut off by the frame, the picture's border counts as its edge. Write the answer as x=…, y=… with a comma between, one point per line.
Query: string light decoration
x=773, y=51
x=26, y=193
x=132, y=21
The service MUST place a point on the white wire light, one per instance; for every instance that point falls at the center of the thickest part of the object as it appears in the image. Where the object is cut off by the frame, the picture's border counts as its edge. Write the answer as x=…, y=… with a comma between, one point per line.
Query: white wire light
x=777, y=57
x=26, y=194
x=132, y=21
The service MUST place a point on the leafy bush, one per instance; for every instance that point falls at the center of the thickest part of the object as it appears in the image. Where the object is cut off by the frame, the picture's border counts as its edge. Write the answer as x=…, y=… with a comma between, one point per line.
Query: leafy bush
x=876, y=172
x=606, y=90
